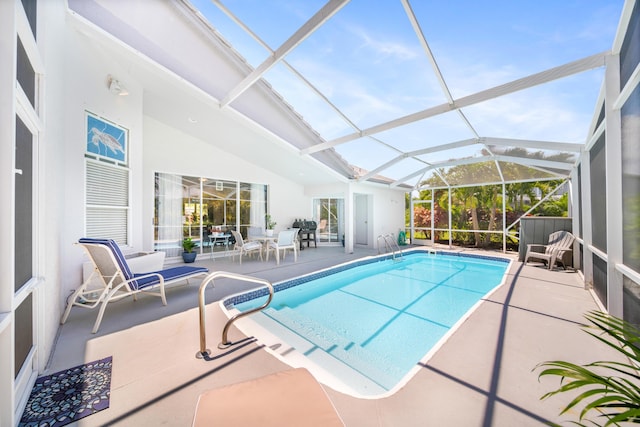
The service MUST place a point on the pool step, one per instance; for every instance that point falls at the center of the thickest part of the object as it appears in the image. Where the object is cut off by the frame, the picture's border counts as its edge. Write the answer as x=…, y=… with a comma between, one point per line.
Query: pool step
x=329, y=348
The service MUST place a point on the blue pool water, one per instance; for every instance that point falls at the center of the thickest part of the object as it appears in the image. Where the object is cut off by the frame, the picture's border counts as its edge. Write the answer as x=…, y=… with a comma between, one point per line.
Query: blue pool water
x=371, y=324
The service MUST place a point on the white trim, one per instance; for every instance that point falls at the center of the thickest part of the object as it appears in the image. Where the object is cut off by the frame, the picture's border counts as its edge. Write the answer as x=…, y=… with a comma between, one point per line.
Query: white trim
x=596, y=135
x=630, y=273
x=603, y=256
x=308, y=28
x=628, y=89
x=623, y=26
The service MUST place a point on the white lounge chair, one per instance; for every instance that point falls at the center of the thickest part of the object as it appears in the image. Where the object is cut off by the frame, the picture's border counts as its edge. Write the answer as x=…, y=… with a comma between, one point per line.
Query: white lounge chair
x=242, y=248
x=559, y=243
x=287, y=239
x=117, y=281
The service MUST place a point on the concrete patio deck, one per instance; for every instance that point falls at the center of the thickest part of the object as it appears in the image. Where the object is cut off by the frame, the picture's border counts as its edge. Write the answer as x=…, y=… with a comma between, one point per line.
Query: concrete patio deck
x=482, y=375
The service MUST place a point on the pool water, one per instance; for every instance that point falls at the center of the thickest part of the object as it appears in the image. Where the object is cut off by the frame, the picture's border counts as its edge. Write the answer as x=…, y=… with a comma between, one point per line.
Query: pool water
x=368, y=326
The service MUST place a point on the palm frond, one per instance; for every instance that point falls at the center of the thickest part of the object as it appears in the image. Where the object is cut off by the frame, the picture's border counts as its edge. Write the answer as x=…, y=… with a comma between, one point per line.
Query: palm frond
x=613, y=392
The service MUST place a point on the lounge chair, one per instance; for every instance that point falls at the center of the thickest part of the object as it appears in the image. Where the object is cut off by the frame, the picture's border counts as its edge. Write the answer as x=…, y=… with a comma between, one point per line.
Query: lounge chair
x=560, y=242
x=293, y=398
x=243, y=248
x=117, y=281
x=287, y=239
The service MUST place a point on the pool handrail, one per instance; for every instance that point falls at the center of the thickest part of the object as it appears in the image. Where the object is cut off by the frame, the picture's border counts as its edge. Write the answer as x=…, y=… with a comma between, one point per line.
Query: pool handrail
x=203, y=286
x=389, y=243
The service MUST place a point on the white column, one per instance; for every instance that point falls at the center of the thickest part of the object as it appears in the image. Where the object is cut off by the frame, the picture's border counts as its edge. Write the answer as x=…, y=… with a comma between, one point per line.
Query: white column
x=587, y=238
x=8, y=38
x=614, y=186
x=349, y=215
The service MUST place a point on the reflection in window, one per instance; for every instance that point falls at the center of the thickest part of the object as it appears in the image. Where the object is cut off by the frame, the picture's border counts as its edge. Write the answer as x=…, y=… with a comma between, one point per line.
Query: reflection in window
x=196, y=207
x=631, y=180
x=598, y=163
x=630, y=51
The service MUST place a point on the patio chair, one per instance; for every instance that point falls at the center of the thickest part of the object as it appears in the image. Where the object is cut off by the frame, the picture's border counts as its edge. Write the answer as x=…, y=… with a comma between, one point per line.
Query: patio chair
x=560, y=242
x=244, y=248
x=117, y=281
x=287, y=239
x=254, y=231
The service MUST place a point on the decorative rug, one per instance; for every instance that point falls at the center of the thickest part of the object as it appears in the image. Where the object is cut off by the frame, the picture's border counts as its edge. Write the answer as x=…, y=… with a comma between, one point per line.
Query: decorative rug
x=67, y=396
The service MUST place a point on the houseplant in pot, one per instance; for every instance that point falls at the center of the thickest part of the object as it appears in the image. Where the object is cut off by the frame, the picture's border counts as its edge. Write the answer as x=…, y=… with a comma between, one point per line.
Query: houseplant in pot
x=188, y=247
x=270, y=225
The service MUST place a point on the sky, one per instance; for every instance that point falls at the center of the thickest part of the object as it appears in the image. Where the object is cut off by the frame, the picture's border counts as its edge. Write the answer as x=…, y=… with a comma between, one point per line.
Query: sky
x=367, y=61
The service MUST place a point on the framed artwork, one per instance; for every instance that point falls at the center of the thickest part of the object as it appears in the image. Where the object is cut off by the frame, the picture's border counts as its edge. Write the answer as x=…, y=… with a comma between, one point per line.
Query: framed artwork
x=106, y=139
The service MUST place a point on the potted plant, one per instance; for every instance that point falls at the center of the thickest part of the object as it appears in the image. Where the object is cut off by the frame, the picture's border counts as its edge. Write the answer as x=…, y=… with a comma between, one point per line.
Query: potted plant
x=188, y=246
x=270, y=225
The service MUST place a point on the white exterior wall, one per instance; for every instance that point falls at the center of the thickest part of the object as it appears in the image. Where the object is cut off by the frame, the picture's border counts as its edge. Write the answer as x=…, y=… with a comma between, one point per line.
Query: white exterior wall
x=84, y=80
x=385, y=211
x=169, y=150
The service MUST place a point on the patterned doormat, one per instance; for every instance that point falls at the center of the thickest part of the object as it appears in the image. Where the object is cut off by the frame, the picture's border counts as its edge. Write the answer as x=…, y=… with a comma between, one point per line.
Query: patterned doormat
x=66, y=396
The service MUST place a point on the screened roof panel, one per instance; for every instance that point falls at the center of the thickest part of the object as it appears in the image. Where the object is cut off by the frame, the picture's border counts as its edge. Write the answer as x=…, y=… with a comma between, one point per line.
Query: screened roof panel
x=468, y=174
x=480, y=46
x=368, y=151
x=309, y=103
x=453, y=155
x=428, y=83
x=539, y=154
x=431, y=132
x=369, y=63
x=544, y=112
x=519, y=172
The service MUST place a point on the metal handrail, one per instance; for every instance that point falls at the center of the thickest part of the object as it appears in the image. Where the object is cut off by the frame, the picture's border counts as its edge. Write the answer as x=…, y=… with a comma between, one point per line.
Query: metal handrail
x=217, y=274
x=389, y=246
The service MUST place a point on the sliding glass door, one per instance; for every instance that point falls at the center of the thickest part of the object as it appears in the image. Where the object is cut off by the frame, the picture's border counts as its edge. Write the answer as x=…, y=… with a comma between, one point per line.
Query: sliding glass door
x=189, y=206
x=329, y=214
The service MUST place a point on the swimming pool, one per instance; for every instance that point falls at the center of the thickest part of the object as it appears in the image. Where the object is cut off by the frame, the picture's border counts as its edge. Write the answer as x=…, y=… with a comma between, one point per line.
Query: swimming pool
x=362, y=328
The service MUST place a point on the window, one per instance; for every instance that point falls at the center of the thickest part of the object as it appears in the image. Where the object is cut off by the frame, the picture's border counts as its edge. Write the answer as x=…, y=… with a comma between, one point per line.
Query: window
x=630, y=51
x=329, y=215
x=631, y=181
x=190, y=206
x=107, y=180
x=107, y=201
x=598, y=162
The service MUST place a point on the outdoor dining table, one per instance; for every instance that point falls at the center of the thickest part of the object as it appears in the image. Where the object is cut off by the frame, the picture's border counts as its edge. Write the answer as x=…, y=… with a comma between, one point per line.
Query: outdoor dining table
x=264, y=239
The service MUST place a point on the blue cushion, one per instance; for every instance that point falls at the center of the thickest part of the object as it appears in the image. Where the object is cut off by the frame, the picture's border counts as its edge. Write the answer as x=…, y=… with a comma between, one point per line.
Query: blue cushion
x=168, y=274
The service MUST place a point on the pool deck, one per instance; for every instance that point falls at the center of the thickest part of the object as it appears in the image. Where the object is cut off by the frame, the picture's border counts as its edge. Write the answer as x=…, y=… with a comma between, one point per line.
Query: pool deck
x=481, y=376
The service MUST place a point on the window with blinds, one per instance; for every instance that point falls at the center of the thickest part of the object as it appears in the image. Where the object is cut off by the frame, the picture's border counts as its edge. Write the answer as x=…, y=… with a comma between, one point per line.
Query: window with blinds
x=107, y=201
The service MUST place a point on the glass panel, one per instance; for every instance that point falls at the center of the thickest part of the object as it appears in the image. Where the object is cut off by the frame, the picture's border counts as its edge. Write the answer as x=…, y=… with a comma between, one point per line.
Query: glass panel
x=187, y=206
x=600, y=278
x=441, y=216
x=631, y=301
x=630, y=51
x=168, y=213
x=23, y=332
x=329, y=215
x=631, y=180
x=579, y=207
x=598, y=162
x=24, y=205
x=31, y=9
x=600, y=117
x=25, y=73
